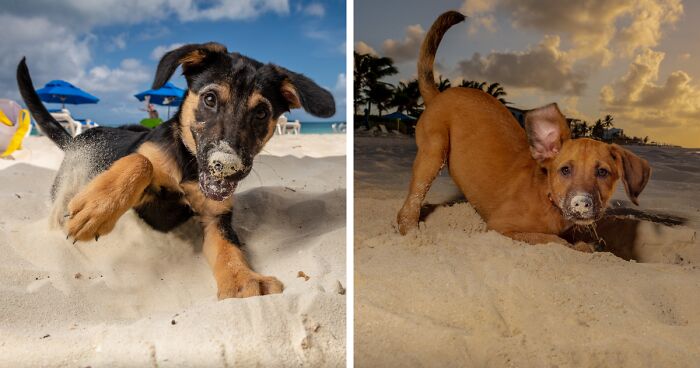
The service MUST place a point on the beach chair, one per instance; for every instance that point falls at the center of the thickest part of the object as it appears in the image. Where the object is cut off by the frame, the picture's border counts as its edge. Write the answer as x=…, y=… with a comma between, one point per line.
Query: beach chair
x=87, y=124
x=281, y=125
x=383, y=129
x=293, y=127
x=64, y=118
x=14, y=126
x=73, y=125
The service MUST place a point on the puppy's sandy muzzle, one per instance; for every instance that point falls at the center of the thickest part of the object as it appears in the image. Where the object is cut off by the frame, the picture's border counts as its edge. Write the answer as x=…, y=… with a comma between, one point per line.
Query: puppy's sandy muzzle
x=582, y=205
x=224, y=164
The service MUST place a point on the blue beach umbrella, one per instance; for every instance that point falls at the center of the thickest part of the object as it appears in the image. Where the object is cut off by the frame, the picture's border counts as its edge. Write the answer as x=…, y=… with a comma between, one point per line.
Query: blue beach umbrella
x=58, y=91
x=400, y=116
x=168, y=95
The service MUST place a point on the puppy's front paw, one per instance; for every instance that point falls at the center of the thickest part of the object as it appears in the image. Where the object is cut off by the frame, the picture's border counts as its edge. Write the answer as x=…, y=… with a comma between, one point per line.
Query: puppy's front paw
x=91, y=216
x=248, y=283
x=407, y=220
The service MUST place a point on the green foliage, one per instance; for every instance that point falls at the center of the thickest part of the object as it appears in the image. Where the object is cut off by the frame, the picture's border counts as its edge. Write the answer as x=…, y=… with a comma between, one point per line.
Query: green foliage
x=494, y=89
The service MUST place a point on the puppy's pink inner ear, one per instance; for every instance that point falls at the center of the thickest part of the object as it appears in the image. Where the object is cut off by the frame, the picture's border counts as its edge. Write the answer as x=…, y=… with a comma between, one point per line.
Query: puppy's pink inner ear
x=546, y=129
x=545, y=141
x=290, y=94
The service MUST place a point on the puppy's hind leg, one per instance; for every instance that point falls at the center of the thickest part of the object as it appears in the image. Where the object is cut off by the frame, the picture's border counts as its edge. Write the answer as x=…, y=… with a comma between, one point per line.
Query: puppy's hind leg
x=431, y=156
x=95, y=210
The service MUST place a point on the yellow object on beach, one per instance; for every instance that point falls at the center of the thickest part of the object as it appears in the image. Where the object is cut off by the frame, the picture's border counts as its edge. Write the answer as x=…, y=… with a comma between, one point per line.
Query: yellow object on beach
x=5, y=120
x=23, y=120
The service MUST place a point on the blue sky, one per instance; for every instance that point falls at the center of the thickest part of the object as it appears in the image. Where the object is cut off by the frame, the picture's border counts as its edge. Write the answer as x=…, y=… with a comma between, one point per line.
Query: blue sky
x=111, y=48
x=634, y=59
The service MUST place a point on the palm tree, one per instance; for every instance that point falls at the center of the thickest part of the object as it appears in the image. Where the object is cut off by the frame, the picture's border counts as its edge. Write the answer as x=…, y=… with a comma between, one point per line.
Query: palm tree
x=494, y=89
x=497, y=91
x=598, y=130
x=579, y=128
x=369, y=70
x=584, y=129
x=608, y=121
x=380, y=93
x=443, y=84
x=407, y=97
x=360, y=75
x=472, y=84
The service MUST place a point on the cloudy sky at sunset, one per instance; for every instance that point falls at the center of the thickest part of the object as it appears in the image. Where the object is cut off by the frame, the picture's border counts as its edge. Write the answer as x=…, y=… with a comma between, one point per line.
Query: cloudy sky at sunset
x=638, y=60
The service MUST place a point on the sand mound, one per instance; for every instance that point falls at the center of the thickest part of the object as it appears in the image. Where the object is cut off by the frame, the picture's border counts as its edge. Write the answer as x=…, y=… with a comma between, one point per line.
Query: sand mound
x=138, y=297
x=455, y=294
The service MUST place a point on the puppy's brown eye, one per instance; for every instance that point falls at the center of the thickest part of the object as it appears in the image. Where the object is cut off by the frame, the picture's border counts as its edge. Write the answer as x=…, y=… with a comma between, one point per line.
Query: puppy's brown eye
x=261, y=114
x=565, y=171
x=209, y=99
x=601, y=173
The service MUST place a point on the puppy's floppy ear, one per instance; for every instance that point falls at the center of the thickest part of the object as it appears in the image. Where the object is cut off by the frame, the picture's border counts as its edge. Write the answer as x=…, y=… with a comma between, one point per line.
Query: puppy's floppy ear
x=189, y=56
x=546, y=130
x=300, y=91
x=635, y=171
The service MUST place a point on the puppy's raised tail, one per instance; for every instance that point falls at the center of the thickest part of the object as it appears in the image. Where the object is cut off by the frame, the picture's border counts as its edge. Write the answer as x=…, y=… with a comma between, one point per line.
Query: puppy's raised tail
x=46, y=122
x=426, y=59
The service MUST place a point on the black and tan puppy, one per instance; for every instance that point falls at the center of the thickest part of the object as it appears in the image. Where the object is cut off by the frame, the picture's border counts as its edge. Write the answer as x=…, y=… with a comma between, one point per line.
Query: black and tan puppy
x=189, y=165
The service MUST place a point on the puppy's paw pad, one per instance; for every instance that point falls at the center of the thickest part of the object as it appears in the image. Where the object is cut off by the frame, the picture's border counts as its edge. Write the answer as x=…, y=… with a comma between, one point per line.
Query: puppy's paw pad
x=90, y=219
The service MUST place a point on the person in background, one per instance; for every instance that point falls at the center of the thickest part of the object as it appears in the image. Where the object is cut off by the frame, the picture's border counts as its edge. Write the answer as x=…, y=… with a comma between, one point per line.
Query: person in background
x=150, y=108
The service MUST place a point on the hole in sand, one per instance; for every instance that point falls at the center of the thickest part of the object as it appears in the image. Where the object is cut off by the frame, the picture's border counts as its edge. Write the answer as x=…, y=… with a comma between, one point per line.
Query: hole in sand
x=642, y=236
x=628, y=233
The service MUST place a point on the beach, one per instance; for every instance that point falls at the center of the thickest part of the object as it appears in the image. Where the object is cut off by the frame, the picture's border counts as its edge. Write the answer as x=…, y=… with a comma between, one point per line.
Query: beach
x=456, y=294
x=138, y=297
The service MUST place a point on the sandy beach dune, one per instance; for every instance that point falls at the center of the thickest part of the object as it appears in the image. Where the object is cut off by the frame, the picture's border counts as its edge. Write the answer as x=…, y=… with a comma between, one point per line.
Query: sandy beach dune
x=455, y=294
x=142, y=298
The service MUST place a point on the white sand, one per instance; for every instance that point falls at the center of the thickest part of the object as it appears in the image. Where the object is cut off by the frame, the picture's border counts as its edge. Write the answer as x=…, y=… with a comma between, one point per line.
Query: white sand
x=457, y=295
x=142, y=298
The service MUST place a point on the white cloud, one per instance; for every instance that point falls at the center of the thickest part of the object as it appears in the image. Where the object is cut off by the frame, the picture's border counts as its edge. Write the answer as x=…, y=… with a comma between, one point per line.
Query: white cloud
x=478, y=13
x=117, y=42
x=544, y=66
x=340, y=83
x=339, y=92
x=84, y=14
x=315, y=9
x=662, y=108
x=598, y=30
x=52, y=51
x=398, y=50
x=406, y=49
x=229, y=9
x=318, y=34
x=363, y=48
x=159, y=51
x=127, y=77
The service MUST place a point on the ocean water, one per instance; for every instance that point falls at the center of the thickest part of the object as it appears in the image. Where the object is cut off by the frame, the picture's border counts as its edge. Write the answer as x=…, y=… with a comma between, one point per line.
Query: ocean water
x=324, y=127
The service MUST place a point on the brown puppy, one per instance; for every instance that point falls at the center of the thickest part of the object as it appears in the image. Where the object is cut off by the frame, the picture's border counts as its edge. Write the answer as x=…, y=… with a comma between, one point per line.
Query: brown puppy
x=530, y=185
